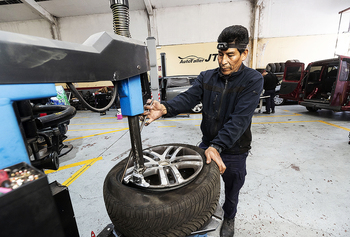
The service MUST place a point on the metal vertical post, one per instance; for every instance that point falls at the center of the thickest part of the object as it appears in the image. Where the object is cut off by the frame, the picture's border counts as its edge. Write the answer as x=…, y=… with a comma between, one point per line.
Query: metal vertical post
x=136, y=145
x=151, y=45
x=163, y=64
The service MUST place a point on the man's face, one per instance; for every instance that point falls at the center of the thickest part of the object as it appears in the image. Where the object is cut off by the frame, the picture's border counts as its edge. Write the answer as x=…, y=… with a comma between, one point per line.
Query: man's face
x=230, y=60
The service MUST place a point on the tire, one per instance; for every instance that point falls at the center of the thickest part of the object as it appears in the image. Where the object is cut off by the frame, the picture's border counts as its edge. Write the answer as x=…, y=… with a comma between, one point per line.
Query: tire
x=278, y=67
x=283, y=65
x=311, y=109
x=271, y=67
x=278, y=100
x=136, y=211
x=198, y=108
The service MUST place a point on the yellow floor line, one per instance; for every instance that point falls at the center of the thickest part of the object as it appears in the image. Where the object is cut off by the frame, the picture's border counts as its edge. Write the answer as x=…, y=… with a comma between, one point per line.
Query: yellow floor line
x=331, y=124
x=72, y=165
x=287, y=122
x=276, y=116
x=166, y=126
x=97, y=134
x=79, y=117
x=79, y=172
x=109, y=118
x=90, y=129
x=77, y=124
x=319, y=121
x=86, y=165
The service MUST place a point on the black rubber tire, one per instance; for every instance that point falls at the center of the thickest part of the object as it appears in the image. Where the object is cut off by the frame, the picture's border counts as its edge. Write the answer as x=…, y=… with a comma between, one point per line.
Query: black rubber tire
x=283, y=65
x=312, y=109
x=278, y=67
x=271, y=67
x=141, y=212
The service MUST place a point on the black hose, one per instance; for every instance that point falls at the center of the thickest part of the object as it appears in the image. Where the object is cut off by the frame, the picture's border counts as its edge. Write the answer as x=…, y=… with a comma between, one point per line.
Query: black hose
x=78, y=95
x=61, y=113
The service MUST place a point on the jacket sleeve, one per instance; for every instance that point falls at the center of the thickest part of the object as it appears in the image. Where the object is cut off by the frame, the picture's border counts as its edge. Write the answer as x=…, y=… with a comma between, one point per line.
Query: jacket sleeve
x=240, y=118
x=187, y=100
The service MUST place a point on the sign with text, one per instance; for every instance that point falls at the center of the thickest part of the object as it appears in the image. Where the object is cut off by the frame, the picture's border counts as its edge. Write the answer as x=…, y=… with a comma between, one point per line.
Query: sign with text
x=189, y=59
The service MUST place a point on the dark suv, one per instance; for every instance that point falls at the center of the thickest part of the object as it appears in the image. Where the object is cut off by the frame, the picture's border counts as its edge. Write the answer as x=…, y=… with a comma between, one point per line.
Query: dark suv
x=171, y=86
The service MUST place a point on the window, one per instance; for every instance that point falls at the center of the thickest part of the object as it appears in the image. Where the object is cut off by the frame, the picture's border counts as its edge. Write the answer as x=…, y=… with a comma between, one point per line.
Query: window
x=293, y=73
x=344, y=73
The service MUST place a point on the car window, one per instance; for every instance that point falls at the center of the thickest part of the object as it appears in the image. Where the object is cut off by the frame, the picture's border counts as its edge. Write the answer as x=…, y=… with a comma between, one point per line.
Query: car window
x=293, y=73
x=315, y=72
x=345, y=71
x=176, y=82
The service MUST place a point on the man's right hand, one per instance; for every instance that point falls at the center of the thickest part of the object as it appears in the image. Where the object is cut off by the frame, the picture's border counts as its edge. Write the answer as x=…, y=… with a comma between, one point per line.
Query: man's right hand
x=154, y=111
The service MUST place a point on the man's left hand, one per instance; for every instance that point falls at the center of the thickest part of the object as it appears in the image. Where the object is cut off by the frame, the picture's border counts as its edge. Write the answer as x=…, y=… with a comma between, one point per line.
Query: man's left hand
x=212, y=154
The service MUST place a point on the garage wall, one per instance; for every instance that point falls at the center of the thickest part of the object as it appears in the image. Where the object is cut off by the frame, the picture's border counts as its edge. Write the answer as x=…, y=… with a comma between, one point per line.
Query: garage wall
x=187, y=35
x=78, y=29
x=40, y=28
x=200, y=23
x=298, y=29
x=304, y=30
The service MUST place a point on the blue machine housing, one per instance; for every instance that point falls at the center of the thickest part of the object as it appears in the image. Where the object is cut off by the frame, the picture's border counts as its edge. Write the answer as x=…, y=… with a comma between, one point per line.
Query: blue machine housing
x=130, y=93
x=12, y=146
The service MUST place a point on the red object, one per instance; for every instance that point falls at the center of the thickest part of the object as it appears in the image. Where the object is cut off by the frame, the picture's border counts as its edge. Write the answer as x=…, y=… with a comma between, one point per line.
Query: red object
x=93, y=234
x=3, y=177
x=42, y=114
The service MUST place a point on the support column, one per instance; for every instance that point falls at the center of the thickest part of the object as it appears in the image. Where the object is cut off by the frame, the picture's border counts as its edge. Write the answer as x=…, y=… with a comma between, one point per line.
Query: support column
x=151, y=44
x=36, y=8
x=255, y=35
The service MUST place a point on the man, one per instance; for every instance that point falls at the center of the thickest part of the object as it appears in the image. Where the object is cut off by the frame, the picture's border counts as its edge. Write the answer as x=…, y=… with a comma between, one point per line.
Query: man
x=230, y=95
x=270, y=83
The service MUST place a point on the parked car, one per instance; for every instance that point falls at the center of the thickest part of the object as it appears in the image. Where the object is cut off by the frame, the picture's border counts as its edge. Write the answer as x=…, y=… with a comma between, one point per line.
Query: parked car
x=171, y=86
x=278, y=70
x=278, y=100
x=323, y=84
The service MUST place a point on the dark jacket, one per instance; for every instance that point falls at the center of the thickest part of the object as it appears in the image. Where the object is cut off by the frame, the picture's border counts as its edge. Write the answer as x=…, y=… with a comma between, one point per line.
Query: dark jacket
x=228, y=106
x=270, y=81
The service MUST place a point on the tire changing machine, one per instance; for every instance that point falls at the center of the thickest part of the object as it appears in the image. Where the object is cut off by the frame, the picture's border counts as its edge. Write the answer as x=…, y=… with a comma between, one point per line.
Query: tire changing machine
x=29, y=67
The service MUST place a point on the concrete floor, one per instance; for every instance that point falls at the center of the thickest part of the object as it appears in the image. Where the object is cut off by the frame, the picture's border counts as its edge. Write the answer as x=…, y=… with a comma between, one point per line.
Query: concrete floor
x=298, y=181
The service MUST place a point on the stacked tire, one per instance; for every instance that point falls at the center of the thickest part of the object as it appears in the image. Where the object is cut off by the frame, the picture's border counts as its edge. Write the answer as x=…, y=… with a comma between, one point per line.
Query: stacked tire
x=278, y=67
x=275, y=67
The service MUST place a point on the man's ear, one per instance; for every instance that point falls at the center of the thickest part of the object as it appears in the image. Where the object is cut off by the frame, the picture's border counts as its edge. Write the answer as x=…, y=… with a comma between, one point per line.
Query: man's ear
x=244, y=54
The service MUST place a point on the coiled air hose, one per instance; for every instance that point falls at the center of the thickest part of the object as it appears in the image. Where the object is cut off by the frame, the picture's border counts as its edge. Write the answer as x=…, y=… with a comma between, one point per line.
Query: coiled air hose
x=78, y=95
x=120, y=10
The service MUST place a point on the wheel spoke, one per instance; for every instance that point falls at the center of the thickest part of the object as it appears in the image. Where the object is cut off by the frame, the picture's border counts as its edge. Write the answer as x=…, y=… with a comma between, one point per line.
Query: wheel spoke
x=150, y=161
x=163, y=177
x=189, y=164
x=173, y=156
x=169, y=166
x=187, y=158
x=177, y=175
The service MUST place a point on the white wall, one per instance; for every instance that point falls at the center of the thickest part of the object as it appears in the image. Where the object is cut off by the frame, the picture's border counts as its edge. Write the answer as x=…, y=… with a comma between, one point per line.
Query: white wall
x=78, y=29
x=200, y=23
x=298, y=29
x=283, y=18
x=40, y=28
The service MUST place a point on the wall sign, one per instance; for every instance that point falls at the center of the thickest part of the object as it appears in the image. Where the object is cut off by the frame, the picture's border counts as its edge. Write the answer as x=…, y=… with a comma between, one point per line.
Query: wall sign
x=196, y=59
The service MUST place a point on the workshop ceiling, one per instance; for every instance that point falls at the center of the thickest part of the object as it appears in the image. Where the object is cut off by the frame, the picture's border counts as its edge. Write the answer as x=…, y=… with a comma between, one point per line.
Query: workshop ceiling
x=15, y=10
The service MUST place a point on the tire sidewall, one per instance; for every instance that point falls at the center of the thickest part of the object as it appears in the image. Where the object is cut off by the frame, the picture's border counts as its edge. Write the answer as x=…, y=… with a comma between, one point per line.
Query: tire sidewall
x=175, y=206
